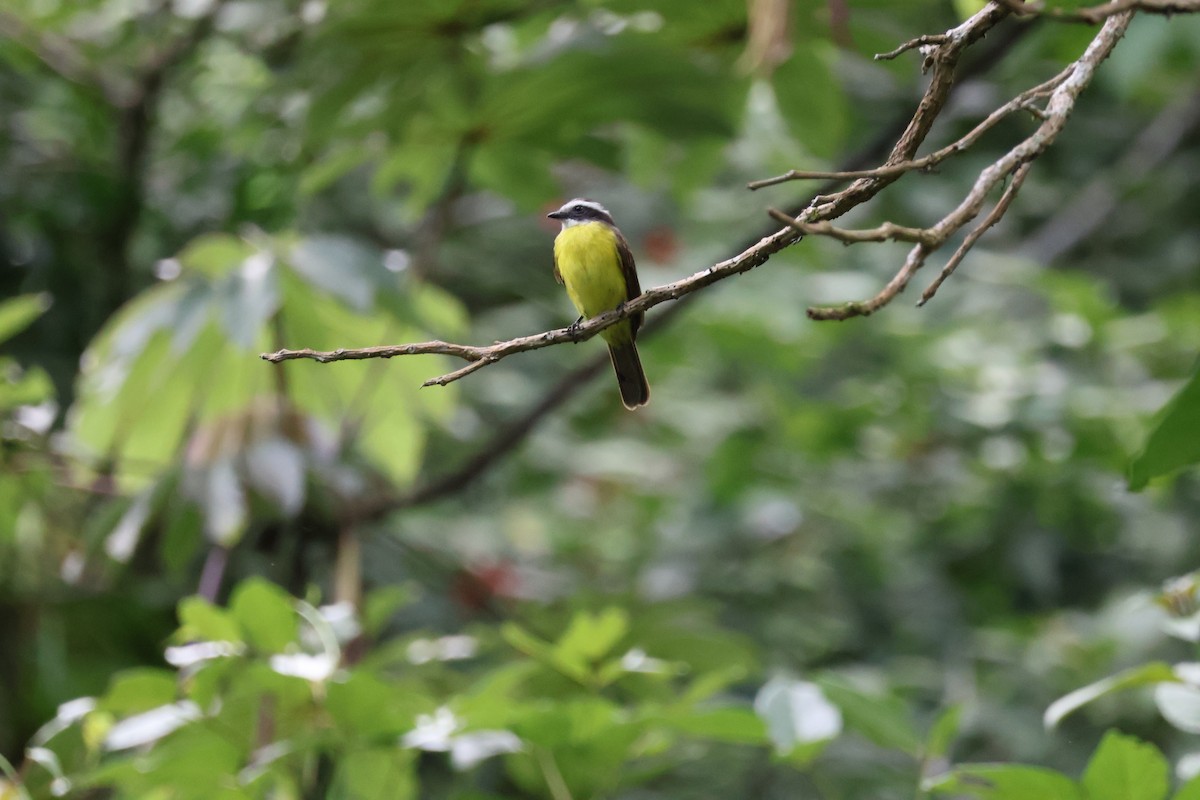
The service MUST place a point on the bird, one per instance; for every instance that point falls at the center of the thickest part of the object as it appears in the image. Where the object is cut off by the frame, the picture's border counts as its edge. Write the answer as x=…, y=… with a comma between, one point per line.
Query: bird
x=593, y=261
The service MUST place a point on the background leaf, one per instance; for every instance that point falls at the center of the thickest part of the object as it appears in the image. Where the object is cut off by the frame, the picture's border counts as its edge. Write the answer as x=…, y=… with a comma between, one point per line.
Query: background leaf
x=1126, y=768
x=1173, y=443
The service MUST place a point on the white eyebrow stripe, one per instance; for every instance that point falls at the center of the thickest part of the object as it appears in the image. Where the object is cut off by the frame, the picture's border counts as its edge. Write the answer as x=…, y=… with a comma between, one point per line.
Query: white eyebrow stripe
x=592, y=204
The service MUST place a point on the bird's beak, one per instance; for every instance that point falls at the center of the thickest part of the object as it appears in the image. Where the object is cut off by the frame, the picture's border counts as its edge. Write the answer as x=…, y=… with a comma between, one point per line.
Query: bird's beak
x=555, y=215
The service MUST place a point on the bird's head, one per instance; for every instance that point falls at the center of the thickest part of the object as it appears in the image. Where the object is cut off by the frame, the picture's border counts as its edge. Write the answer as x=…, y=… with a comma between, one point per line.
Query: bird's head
x=580, y=210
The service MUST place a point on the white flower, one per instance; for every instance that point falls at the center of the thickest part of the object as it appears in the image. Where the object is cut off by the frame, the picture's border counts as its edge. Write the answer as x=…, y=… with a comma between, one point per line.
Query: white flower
x=305, y=665
x=439, y=733
x=150, y=726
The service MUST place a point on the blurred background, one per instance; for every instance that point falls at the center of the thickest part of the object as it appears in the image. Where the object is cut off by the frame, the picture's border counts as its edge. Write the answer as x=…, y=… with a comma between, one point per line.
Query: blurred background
x=828, y=558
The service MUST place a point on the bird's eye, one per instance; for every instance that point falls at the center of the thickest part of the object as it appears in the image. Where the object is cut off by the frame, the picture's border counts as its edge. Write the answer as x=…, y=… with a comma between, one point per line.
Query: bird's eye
x=577, y=210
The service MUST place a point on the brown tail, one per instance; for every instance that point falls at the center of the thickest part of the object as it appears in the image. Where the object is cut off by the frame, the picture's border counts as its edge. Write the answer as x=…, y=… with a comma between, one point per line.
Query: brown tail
x=630, y=377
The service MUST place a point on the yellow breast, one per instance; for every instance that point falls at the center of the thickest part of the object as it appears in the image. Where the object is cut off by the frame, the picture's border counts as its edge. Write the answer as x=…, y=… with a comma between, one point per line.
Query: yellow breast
x=590, y=267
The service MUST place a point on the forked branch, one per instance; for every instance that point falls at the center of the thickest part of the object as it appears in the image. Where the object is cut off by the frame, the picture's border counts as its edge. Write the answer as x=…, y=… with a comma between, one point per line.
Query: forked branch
x=1063, y=90
x=1050, y=102
x=1094, y=15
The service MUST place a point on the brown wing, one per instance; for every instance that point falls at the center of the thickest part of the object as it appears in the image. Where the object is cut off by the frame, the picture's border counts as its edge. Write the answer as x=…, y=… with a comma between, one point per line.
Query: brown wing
x=629, y=269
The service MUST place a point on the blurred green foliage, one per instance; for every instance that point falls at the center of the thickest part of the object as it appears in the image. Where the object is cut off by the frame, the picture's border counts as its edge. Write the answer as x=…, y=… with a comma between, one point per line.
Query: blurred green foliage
x=859, y=560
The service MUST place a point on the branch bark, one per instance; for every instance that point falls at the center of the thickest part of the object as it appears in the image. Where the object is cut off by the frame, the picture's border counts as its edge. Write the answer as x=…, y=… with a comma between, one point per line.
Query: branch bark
x=509, y=437
x=1094, y=15
x=1069, y=84
x=481, y=356
x=944, y=63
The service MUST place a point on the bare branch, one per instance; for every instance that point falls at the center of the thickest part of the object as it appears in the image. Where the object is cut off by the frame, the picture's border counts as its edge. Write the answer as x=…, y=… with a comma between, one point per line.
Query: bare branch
x=1094, y=15
x=998, y=211
x=945, y=61
x=927, y=241
x=887, y=232
x=512, y=433
x=1025, y=101
x=1058, y=108
x=461, y=372
x=482, y=356
x=912, y=44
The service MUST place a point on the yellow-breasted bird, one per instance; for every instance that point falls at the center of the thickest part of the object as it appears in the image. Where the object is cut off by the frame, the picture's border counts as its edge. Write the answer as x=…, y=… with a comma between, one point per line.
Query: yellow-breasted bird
x=592, y=259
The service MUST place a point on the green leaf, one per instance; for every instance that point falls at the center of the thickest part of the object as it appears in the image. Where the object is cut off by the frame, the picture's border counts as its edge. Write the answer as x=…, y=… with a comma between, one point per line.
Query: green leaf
x=733, y=724
x=1146, y=674
x=201, y=620
x=1124, y=768
x=265, y=612
x=382, y=603
x=942, y=734
x=544, y=652
x=520, y=172
x=137, y=690
x=383, y=399
x=342, y=267
x=381, y=773
x=525, y=641
x=1189, y=791
x=555, y=105
x=590, y=741
x=331, y=166
x=590, y=637
x=20, y=387
x=215, y=255
x=247, y=298
x=966, y=8
x=811, y=100
x=134, y=358
x=193, y=763
x=1175, y=440
x=17, y=313
x=883, y=719
x=711, y=682
x=422, y=165
x=365, y=706
x=1006, y=782
x=181, y=537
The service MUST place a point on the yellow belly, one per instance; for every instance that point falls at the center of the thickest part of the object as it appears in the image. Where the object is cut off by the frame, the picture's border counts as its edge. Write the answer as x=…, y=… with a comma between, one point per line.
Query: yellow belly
x=590, y=267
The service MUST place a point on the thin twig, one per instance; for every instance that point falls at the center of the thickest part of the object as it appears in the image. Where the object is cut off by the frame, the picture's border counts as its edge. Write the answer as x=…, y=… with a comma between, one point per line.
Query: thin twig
x=887, y=232
x=1022, y=102
x=555, y=783
x=481, y=356
x=1094, y=15
x=508, y=436
x=1058, y=108
x=912, y=44
x=945, y=61
x=991, y=219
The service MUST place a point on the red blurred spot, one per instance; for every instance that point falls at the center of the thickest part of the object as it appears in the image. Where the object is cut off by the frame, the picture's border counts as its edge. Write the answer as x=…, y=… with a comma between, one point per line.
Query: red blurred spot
x=477, y=588
x=661, y=244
